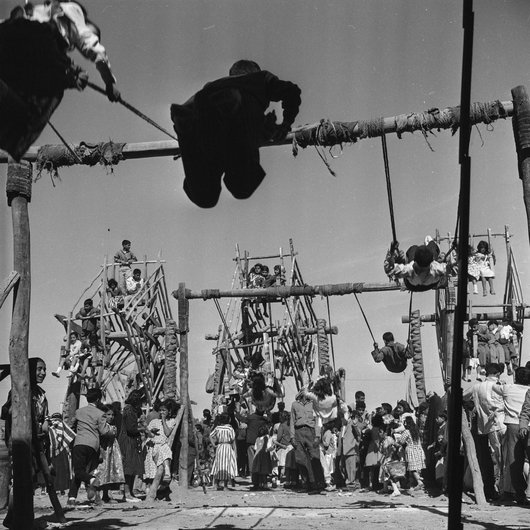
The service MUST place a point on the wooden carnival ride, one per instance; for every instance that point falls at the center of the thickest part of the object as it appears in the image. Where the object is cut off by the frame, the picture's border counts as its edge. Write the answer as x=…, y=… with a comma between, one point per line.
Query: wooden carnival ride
x=137, y=343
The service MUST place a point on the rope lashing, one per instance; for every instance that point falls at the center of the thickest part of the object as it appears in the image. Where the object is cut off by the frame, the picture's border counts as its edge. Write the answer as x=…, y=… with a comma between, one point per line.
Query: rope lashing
x=331, y=334
x=389, y=187
x=18, y=181
x=51, y=157
x=134, y=111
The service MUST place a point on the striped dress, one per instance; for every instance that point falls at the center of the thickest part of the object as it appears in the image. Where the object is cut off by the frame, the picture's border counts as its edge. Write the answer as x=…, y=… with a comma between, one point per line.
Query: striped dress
x=224, y=465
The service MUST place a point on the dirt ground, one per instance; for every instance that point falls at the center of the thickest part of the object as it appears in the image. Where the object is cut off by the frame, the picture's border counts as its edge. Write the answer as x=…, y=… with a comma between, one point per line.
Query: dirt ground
x=240, y=509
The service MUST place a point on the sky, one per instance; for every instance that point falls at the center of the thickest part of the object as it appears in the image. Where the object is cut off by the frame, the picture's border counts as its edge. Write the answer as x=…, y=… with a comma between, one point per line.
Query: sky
x=353, y=59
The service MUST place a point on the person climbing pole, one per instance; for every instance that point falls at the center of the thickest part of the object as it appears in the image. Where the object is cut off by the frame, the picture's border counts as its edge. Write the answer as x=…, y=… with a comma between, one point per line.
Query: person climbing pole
x=393, y=354
x=221, y=128
x=422, y=268
x=38, y=37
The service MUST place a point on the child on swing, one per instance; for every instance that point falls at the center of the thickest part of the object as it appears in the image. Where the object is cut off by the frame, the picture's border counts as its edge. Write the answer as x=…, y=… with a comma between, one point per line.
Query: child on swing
x=422, y=270
x=393, y=355
x=485, y=260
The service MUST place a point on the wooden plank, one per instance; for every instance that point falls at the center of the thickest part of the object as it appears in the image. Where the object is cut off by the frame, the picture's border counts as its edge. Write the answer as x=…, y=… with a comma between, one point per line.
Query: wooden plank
x=414, y=121
x=8, y=285
x=293, y=290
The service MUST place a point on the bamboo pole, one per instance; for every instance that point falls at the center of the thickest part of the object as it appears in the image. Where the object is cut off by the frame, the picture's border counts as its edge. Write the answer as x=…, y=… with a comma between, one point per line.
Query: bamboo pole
x=21, y=450
x=293, y=290
x=432, y=119
x=183, y=319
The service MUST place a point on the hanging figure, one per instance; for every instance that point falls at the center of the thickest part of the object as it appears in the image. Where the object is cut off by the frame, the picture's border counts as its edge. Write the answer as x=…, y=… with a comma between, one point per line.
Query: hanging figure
x=35, y=69
x=393, y=355
x=421, y=270
x=221, y=128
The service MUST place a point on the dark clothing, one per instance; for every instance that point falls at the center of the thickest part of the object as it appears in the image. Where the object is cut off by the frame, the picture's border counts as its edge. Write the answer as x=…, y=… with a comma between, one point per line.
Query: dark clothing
x=394, y=356
x=84, y=461
x=33, y=75
x=307, y=454
x=254, y=422
x=220, y=130
x=130, y=443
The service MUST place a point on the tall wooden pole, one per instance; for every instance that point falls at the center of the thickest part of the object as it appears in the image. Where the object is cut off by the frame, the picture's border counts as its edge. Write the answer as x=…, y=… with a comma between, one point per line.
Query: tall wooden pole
x=18, y=195
x=183, y=315
x=521, y=131
x=455, y=460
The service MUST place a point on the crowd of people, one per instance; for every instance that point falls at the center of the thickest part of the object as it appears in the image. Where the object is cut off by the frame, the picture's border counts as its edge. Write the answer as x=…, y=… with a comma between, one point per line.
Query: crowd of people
x=318, y=445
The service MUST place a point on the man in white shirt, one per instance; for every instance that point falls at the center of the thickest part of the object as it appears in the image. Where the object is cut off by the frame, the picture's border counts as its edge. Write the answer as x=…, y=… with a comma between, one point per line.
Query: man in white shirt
x=514, y=447
x=489, y=408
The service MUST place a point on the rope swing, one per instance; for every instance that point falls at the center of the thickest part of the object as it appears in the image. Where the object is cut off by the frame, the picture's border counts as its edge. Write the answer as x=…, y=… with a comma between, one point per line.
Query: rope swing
x=134, y=111
x=364, y=316
x=389, y=188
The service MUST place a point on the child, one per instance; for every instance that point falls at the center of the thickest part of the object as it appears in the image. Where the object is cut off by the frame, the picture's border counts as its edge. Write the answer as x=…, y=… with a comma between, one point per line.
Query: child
x=125, y=258
x=392, y=468
x=262, y=463
x=224, y=465
x=394, y=355
x=135, y=282
x=422, y=271
x=328, y=451
x=115, y=295
x=414, y=456
x=283, y=443
x=471, y=360
x=279, y=275
x=485, y=260
x=158, y=460
x=220, y=130
x=110, y=469
x=506, y=340
x=473, y=269
x=496, y=349
x=89, y=327
x=70, y=357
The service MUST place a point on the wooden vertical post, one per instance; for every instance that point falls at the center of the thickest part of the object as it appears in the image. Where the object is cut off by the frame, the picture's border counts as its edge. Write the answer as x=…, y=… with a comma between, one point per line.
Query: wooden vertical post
x=102, y=298
x=18, y=195
x=183, y=315
x=521, y=132
x=170, y=360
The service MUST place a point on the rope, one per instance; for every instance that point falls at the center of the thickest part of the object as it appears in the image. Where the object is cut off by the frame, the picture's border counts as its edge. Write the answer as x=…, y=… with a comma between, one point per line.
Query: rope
x=388, y=187
x=365, y=319
x=18, y=181
x=410, y=317
x=330, y=334
x=72, y=152
x=134, y=111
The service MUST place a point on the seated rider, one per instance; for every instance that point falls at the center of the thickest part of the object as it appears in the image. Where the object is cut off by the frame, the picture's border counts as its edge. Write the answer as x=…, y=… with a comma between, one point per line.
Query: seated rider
x=221, y=128
x=421, y=271
x=394, y=355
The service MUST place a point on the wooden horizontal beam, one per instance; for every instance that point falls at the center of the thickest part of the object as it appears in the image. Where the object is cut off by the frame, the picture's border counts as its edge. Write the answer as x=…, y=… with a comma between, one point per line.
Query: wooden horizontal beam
x=446, y=118
x=494, y=315
x=338, y=289
x=333, y=330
